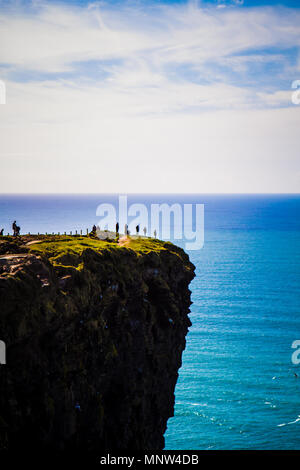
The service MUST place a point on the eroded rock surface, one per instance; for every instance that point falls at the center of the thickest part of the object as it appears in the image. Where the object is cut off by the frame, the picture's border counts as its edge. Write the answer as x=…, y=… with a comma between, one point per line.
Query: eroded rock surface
x=94, y=335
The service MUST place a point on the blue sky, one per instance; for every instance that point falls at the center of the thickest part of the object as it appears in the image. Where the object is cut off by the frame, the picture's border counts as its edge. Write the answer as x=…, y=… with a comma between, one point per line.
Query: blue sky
x=247, y=3
x=252, y=66
x=131, y=81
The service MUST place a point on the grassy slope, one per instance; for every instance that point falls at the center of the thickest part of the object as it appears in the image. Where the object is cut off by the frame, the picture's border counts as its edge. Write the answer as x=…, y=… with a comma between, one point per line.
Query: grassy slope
x=62, y=250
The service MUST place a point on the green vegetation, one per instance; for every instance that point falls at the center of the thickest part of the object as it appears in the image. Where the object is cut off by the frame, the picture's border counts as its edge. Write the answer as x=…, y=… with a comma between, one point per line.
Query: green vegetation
x=60, y=245
x=145, y=245
x=67, y=250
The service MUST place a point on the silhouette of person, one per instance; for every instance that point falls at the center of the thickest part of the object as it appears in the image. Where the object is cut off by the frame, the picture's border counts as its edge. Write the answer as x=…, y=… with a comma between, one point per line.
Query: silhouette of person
x=94, y=228
x=126, y=229
x=137, y=228
x=14, y=227
x=155, y=233
x=117, y=227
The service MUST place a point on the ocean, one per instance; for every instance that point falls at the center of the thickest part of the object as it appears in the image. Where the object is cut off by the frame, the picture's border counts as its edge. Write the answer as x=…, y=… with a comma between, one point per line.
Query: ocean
x=237, y=387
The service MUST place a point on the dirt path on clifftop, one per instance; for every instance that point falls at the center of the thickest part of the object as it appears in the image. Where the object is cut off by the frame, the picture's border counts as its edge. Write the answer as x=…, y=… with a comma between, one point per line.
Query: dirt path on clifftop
x=124, y=241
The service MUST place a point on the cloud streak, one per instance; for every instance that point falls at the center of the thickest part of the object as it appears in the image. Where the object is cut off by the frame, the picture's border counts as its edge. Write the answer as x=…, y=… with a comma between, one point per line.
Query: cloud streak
x=103, y=90
x=162, y=46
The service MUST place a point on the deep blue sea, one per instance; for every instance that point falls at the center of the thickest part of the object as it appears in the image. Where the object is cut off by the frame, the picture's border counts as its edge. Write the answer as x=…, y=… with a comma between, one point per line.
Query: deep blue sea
x=237, y=387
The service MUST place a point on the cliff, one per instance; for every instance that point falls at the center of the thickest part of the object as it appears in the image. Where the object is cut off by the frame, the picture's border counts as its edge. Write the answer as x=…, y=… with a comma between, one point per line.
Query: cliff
x=94, y=332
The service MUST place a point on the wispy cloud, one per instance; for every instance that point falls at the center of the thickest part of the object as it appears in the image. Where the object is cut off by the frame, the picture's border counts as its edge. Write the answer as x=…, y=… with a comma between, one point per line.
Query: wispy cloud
x=107, y=81
x=159, y=48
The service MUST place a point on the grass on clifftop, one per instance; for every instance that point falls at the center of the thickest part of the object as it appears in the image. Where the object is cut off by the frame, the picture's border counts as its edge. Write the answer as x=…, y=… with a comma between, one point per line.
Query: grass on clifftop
x=60, y=248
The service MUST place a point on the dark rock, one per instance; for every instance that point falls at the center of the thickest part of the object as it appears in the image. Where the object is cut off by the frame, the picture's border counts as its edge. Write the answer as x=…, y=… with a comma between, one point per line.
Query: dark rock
x=92, y=353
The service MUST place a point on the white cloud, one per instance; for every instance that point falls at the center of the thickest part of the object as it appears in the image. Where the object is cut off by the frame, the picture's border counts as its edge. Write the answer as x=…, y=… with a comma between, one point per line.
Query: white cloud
x=279, y=98
x=52, y=37
x=147, y=123
x=224, y=151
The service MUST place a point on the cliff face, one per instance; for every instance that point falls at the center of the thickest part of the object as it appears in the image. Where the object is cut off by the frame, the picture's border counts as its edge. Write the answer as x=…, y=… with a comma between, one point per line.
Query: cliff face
x=94, y=334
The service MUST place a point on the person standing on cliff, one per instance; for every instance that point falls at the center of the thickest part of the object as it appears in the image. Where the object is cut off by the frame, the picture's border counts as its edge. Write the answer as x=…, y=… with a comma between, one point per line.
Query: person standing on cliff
x=137, y=228
x=117, y=227
x=14, y=227
x=126, y=230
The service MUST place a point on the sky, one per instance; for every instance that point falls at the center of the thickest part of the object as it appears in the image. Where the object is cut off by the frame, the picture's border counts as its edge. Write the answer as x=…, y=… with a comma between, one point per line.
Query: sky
x=150, y=96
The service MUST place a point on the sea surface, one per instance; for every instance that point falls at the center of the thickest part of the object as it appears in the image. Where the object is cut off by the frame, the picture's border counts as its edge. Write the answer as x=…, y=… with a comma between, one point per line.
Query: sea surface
x=237, y=387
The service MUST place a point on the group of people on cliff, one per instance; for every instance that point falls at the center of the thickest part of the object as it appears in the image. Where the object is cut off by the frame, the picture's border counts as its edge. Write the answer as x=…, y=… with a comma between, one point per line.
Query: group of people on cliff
x=137, y=229
x=15, y=227
x=16, y=230
x=126, y=230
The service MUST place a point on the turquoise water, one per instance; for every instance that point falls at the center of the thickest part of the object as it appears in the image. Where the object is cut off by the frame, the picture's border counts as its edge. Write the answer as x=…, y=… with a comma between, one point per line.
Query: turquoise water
x=236, y=387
